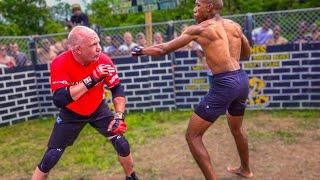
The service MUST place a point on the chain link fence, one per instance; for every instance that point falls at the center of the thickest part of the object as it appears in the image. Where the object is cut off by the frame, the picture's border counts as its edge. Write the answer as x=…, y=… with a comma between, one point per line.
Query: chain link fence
x=14, y=46
x=49, y=46
x=113, y=38
x=294, y=24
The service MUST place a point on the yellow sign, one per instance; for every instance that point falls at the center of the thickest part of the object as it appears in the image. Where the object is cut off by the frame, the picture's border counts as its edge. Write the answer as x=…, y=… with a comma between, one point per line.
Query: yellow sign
x=256, y=86
x=271, y=64
x=199, y=81
x=280, y=56
x=261, y=57
x=198, y=68
x=107, y=96
x=204, y=87
x=193, y=87
x=252, y=65
x=259, y=49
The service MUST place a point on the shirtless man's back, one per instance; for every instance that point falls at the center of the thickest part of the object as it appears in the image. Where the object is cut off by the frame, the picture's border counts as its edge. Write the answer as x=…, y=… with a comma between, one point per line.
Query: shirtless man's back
x=223, y=44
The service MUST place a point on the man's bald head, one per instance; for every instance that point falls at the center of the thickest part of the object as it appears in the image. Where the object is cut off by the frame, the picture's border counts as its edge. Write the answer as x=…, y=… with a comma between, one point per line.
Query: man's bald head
x=79, y=35
x=217, y=4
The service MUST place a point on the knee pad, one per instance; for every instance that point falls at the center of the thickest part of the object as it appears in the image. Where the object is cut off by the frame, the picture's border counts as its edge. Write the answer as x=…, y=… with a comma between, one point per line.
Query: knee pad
x=50, y=158
x=121, y=145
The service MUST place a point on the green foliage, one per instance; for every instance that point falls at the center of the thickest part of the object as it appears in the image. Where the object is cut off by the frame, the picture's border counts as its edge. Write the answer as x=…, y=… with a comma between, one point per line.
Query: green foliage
x=53, y=27
x=27, y=15
x=10, y=30
x=101, y=13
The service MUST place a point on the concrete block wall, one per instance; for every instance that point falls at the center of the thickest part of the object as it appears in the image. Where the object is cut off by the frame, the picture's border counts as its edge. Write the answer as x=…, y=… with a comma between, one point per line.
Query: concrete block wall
x=286, y=76
x=18, y=95
x=148, y=82
x=289, y=76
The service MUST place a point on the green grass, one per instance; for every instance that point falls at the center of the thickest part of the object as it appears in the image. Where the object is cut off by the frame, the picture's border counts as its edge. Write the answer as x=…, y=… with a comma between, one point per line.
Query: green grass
x=306, y=119
x=287, y=136
x=22, y=145
x=25, y=143
x=303, y=120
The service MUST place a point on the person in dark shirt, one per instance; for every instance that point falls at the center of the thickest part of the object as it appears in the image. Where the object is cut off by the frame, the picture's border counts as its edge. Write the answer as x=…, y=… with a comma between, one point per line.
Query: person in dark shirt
x=78, y=17
x=20, y=57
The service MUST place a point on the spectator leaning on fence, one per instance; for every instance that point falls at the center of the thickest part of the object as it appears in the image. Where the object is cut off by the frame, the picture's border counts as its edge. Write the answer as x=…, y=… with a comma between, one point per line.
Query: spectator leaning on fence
x=46, y=52
x=20, y=57
x=141, y=40
x=302, y=36
x=315, y=34
x=262, y=34
x=128, y=43
x=5, y=59
x=158, y=38
x=109, y=47
x=277, y=38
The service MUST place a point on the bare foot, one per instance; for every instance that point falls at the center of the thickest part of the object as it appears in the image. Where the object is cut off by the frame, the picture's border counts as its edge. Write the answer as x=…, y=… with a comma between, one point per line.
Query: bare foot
x=240, y=172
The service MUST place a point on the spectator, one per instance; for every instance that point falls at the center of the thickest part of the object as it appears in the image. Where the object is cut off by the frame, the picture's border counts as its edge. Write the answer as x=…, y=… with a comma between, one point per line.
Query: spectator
x=128, y=43
x=277, y=38
x=315, y=34
x=141, y=40
x=262, y=34
x=47, y=52
x=20, y=57
x=109, y=47
x=5, y=59
x=158, y=38
x=302, y=36
x=78, y=17
x=59, y=47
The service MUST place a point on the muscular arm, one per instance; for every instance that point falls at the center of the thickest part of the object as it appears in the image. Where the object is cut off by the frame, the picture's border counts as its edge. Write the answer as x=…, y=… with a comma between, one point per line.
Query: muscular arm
x=77, y=91
x=185, y=38
x=245, y=48
x=119, y=103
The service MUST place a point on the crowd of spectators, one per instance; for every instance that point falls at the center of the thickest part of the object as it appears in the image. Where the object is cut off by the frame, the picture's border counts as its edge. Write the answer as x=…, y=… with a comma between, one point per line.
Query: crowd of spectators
x=11, y=56
x=271, y=35
x=48, y=48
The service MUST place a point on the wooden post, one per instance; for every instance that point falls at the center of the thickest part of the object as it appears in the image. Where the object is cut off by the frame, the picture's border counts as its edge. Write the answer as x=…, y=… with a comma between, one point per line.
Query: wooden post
x=148, y=22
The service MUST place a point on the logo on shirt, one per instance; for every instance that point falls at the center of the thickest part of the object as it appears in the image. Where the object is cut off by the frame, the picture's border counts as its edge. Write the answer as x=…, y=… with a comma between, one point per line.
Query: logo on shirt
x=59, y=120
x=61, y=82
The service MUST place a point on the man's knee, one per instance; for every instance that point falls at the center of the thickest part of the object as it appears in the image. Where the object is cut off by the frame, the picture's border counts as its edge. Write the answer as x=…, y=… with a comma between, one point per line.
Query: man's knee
x=191, y=136
x=121, y=145
x=50, y=159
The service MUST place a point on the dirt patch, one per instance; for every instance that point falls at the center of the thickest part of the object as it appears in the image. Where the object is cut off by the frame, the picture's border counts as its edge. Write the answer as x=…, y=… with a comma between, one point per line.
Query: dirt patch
x=271, y=158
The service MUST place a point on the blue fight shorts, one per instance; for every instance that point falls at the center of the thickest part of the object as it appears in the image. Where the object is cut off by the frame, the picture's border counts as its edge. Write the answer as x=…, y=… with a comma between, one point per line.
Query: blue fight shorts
x=68, y=125
x=230, y=92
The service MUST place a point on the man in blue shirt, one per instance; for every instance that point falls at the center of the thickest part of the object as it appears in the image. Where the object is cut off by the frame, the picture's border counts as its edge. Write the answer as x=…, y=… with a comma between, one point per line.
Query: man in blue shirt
x=262, y=34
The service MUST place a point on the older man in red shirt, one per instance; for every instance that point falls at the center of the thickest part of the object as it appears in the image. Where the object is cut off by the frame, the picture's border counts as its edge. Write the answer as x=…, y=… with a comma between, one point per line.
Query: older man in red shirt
x=77, y=79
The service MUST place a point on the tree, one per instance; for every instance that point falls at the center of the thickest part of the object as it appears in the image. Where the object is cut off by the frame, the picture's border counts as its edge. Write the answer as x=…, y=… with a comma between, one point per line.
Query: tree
x=30, y=16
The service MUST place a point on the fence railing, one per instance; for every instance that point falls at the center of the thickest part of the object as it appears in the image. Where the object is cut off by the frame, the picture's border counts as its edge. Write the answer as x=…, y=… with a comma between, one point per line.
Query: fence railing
x=294, y=24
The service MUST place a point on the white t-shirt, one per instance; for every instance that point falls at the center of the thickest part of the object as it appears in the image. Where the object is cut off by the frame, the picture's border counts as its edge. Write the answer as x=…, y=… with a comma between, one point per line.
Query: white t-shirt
x=125, y=47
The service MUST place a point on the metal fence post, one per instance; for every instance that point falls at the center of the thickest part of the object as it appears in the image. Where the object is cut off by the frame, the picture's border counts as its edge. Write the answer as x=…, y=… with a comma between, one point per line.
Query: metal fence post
x=249, y=27
x=170, y=31
x=32, y=50
x=97, y=28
